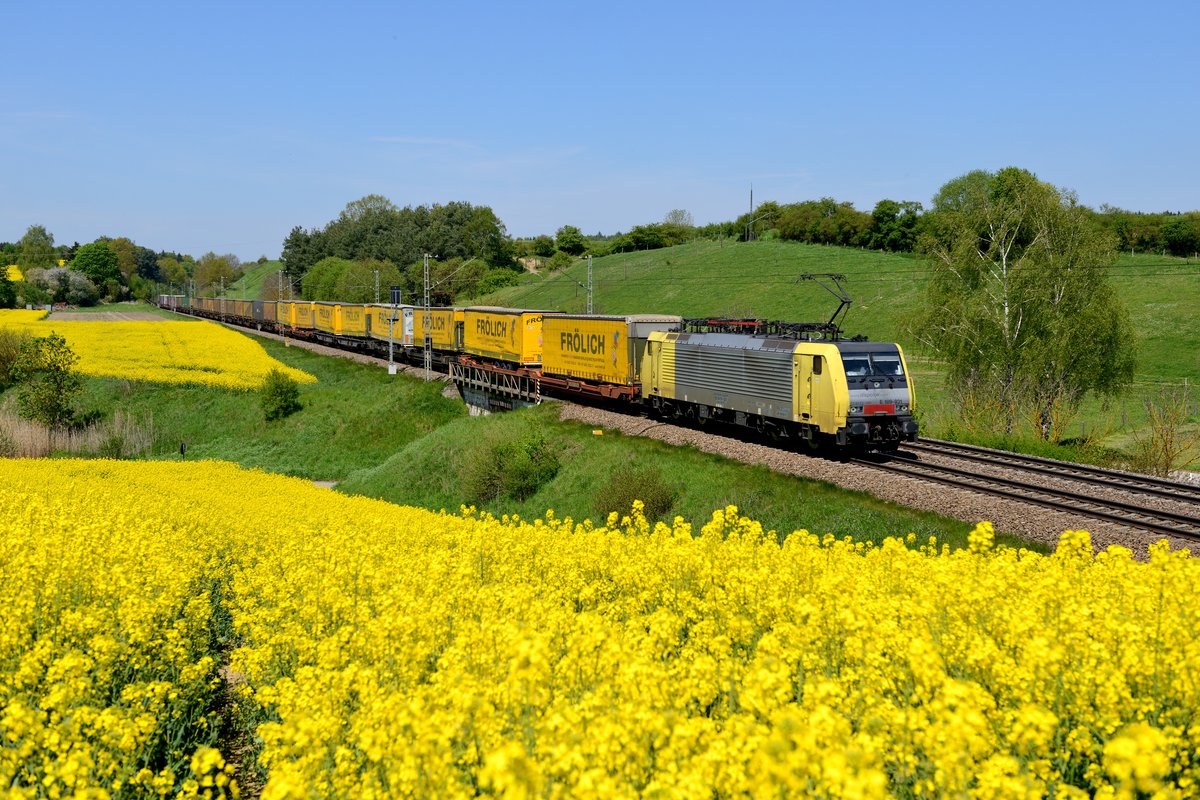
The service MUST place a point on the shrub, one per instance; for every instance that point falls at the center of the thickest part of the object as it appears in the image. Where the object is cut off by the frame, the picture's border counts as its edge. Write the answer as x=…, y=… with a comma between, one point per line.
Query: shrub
x=508, y=468
x=496, y=279
x=60, y=285
x=280, y=395
x=10, y=350
x=560, y=260
x=628, y=484
x=48, y=385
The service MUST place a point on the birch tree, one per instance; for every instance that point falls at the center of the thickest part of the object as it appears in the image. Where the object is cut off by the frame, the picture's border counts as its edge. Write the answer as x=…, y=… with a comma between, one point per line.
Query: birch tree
x=1019, y=302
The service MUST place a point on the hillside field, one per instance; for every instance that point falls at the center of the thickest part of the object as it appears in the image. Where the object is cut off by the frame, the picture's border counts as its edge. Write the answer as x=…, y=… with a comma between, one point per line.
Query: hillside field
x=255, y=280
x=762, y=279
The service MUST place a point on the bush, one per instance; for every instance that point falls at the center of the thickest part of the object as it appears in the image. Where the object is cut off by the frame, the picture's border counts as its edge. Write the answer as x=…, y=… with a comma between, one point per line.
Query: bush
x=495, y=279
x=48, y=386
x=508, y=468
x=280, y=396
x=10, y=351
x=60, y=285
x=560, y=260
x=628, y=484
x=8, y=292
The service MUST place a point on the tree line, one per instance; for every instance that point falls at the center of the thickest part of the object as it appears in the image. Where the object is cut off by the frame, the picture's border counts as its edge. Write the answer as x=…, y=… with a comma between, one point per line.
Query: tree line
x=467, y=245
x=107, y=269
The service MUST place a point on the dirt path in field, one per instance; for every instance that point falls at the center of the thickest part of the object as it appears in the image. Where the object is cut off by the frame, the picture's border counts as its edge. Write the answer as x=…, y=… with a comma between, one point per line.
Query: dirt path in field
x=235, y=742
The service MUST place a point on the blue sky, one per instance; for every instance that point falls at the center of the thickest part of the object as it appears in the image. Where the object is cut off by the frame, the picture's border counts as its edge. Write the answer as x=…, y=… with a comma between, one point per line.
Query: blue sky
x=220, y=126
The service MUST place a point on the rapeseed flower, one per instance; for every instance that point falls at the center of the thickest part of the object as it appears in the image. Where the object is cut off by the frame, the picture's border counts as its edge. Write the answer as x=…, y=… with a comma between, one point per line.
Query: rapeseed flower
x=383, y=651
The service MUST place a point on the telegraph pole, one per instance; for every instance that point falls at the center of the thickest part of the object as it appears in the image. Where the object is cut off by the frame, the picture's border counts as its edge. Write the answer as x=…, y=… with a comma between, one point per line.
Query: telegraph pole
x=428, y=325
x=278, y=300
x=750, y=225
x=587, y=286
x=391, y=323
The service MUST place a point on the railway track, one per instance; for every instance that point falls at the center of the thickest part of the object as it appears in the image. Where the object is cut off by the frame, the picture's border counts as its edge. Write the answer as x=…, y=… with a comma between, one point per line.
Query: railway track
x=1183, y=523
x=1136, y=510
x=1114, y=479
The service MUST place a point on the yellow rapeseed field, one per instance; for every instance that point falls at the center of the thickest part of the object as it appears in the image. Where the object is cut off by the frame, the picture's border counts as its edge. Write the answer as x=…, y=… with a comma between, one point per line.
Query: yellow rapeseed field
x=392, y=652
x=163, y=351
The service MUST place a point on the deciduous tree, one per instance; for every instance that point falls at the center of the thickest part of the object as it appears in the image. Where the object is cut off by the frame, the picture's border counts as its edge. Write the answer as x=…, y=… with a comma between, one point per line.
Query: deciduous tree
x=98, y=262
x=321, y=281
x=679, y=216
x=173, y=272
x=570, y=240
x=357, y=281
x=212, y=270
x=36, y=249
x=1019, y=303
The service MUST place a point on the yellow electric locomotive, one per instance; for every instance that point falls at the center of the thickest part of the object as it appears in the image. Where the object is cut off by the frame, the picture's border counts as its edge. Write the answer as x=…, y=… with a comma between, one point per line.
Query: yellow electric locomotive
x=770, y=378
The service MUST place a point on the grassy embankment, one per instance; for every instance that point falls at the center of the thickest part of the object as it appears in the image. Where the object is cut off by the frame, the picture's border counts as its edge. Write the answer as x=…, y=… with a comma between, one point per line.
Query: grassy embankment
x=399, y=439
x=353, y=415
x=761, y=279
x=434, y=470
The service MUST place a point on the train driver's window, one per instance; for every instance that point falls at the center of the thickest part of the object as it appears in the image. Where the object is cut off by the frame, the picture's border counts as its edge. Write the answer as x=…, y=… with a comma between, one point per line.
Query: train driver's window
x=856, y=366
x=816, y=365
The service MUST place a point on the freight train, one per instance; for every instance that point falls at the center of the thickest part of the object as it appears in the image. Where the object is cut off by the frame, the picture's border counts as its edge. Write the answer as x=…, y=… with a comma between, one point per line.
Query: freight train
x=792, y=382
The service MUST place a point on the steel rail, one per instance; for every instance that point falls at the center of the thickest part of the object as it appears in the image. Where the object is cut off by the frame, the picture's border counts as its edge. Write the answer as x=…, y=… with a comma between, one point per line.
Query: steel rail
x=1114, y=511
x=1067, y=470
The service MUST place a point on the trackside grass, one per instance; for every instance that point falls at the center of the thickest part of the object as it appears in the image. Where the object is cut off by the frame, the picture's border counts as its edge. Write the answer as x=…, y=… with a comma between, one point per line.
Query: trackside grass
x=430, y=472
x=354, y=416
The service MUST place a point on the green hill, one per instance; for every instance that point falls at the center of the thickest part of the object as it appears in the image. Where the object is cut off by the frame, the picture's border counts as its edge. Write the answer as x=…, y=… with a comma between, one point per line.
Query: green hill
x=761, y=279
x=250, y=285
x=756, y=279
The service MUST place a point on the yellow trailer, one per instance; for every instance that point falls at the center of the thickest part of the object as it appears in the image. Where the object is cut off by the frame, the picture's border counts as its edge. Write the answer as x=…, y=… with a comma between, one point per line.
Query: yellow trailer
x=401, y=326
x=303, y=315
x=327, y=317
x=441, y=329
x=605, y=349
x=353, y=320
x=504, y=334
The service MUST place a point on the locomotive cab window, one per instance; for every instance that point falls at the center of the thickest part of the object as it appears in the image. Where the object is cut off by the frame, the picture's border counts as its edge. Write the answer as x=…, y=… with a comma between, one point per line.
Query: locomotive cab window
x=856, y=365
x=862, y=365
x=816, y=365
x=887, y=364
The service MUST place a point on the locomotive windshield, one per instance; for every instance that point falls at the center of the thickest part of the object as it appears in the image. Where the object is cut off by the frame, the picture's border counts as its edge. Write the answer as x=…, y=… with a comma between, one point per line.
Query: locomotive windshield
x=861, y=365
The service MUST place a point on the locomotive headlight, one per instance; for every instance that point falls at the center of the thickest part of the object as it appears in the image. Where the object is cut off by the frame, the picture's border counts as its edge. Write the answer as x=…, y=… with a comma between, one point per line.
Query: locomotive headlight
x=901, y=408
x=856, y=409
